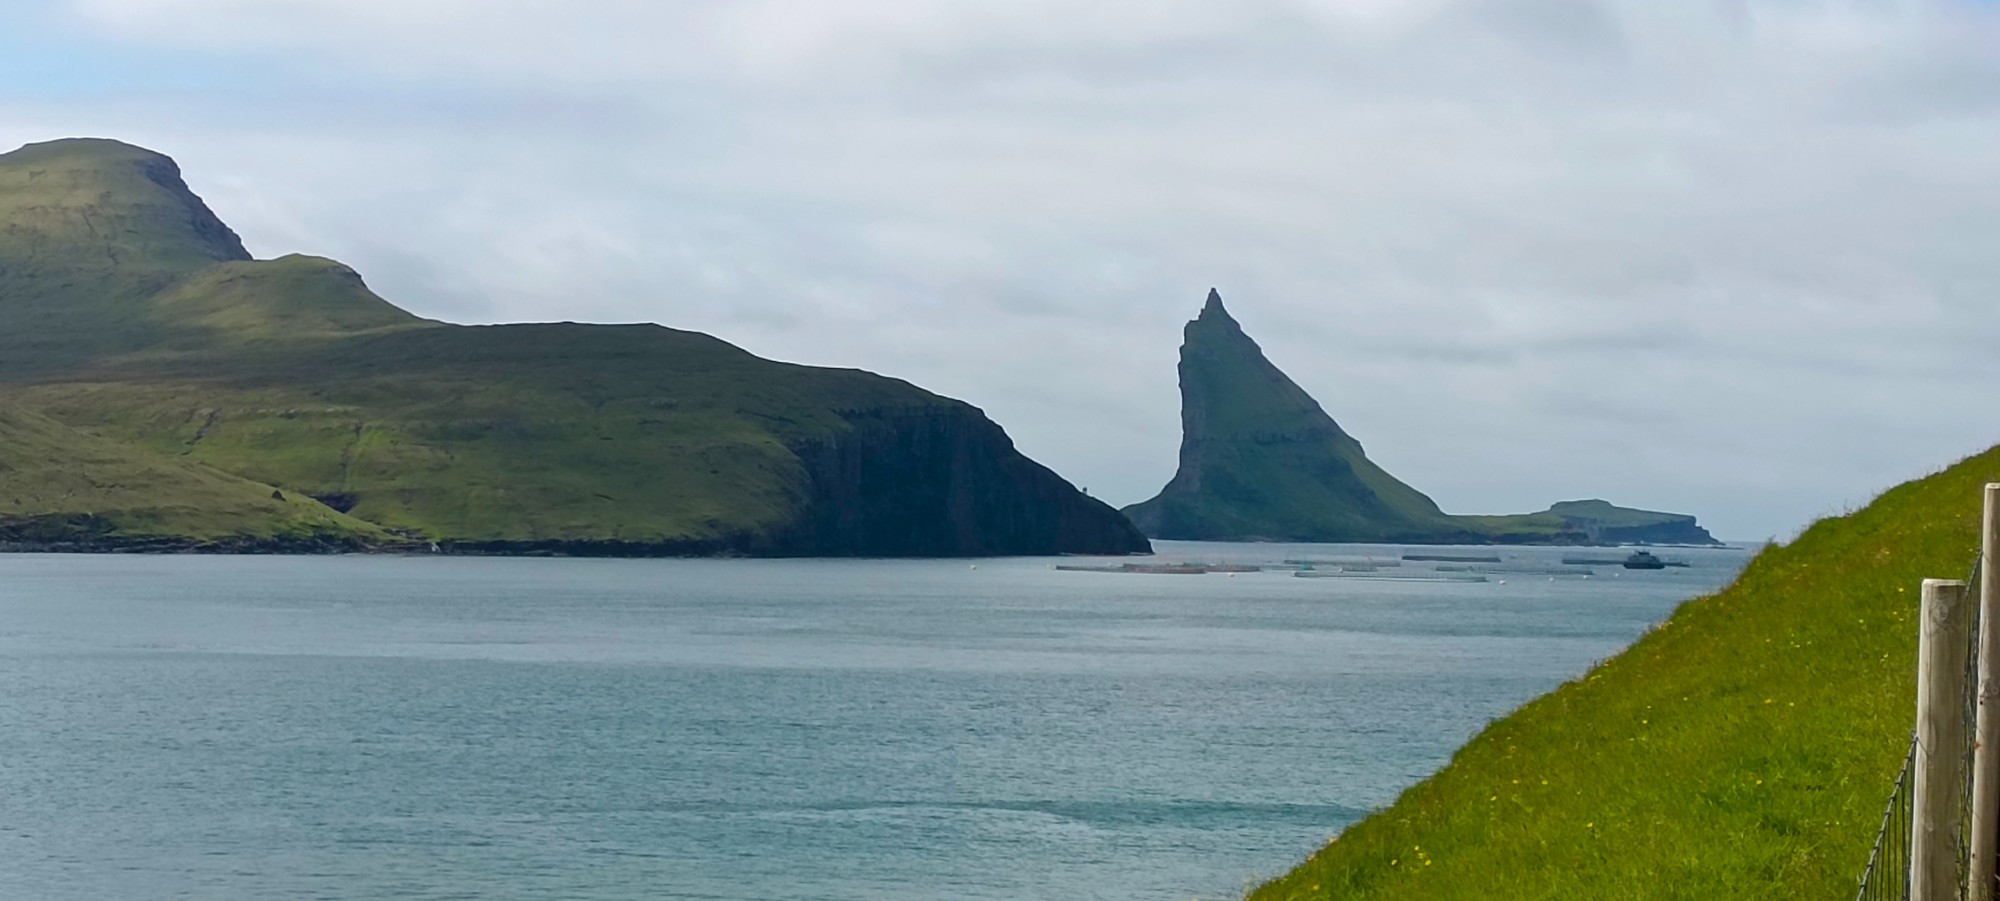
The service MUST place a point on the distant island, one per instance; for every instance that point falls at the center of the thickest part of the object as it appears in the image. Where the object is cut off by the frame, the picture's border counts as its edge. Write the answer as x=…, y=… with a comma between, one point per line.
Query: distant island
x=162, y=390
x=1260, y=460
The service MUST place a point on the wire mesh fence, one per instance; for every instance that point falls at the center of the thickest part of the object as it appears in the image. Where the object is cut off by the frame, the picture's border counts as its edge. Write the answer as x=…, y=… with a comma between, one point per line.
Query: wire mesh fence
x=1887, y=876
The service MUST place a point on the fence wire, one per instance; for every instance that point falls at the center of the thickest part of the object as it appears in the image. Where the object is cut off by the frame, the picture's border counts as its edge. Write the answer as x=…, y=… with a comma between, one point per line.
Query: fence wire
x=1887, y=877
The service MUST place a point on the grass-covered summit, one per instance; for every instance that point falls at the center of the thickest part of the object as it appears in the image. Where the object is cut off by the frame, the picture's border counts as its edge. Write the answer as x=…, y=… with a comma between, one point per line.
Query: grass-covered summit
x=1262, y=460
x=1745, y=748
x=132, y=316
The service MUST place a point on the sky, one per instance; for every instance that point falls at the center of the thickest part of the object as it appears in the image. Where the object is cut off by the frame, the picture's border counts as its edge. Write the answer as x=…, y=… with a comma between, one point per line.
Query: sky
x=1736, y=258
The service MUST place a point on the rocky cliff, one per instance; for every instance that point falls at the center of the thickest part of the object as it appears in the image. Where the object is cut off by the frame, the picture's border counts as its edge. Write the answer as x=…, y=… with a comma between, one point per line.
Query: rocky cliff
x=1261, y=460
x=942, y=481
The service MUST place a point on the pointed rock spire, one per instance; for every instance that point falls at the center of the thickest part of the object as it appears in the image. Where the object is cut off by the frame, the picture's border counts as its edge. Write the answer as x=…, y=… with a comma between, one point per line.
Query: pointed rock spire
x=1213, y=311
x=1214, y=318
x=1261, y=459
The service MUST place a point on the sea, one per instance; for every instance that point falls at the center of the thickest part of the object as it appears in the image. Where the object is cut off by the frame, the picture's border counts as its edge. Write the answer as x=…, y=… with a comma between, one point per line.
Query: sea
x=379, y=727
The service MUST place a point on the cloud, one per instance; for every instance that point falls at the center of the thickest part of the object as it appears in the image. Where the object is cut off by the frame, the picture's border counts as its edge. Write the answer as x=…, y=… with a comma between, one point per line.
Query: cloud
x=1731, y=257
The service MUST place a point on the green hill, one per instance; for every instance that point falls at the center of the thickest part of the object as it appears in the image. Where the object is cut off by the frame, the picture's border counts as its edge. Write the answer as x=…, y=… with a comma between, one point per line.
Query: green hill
x=1592, y=522
x=1743, y=749
x=60, y=487
x=1262, y=461
x=130, y=313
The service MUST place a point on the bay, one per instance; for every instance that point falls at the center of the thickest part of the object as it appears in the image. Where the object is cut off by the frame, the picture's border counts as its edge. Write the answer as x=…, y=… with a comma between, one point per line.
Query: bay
x=875, y=730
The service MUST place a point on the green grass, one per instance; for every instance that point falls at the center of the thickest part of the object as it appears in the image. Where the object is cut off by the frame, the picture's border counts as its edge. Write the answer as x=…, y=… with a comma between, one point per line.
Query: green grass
x=130, y=314
x=505, y=433
x=1743, y=749
x=1607, y=514
x=60, y=483
x=288, y=298
x=150, y=329
x=90, y=231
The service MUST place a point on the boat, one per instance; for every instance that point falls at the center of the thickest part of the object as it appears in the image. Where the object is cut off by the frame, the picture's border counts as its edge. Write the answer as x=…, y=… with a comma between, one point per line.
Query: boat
x=1644, y=560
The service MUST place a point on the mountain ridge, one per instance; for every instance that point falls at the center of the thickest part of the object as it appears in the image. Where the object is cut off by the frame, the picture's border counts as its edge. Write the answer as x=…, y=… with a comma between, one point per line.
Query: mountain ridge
x=130, y=313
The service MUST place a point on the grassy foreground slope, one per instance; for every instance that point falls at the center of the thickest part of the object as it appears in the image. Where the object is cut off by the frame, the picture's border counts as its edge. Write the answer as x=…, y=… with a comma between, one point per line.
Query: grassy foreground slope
x=1743, y=749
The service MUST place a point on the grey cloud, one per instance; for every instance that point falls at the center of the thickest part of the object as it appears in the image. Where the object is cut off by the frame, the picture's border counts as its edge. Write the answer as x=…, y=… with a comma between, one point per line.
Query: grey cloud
x=1482, y=233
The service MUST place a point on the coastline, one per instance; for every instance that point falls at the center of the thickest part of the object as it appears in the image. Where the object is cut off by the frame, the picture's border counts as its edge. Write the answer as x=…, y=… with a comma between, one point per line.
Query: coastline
x=586, y=548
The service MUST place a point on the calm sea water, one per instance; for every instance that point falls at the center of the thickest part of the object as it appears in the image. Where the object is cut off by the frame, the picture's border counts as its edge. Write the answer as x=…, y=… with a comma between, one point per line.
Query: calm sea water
x=359, y=727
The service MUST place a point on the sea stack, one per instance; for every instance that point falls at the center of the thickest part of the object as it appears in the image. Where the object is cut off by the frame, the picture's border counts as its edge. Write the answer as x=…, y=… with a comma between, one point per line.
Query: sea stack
x=1262, y=461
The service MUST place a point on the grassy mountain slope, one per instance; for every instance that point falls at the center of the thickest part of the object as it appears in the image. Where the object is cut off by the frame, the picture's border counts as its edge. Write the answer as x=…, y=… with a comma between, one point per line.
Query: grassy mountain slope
x=287, y=298
x=1743, y=749
x=129, y=312
x=89, y=231
x=59, y=484
x=636, y=434
x=1262, y=461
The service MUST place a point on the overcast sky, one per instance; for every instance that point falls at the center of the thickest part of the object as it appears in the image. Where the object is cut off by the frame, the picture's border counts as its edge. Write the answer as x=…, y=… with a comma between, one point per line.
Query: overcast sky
x=1738, y=258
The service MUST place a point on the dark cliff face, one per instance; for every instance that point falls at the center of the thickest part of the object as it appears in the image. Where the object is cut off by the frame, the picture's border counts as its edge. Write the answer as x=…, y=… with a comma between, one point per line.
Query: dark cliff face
x=942, y=481
x=925, y=481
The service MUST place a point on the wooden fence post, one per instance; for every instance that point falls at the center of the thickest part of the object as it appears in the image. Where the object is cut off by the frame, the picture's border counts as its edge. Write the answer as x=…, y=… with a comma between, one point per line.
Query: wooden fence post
x=1986, y=733
x=1936, y=808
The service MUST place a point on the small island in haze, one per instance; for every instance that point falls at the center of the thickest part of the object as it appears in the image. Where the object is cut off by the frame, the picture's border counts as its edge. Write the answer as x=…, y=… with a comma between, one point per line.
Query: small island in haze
x=1260, y=460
